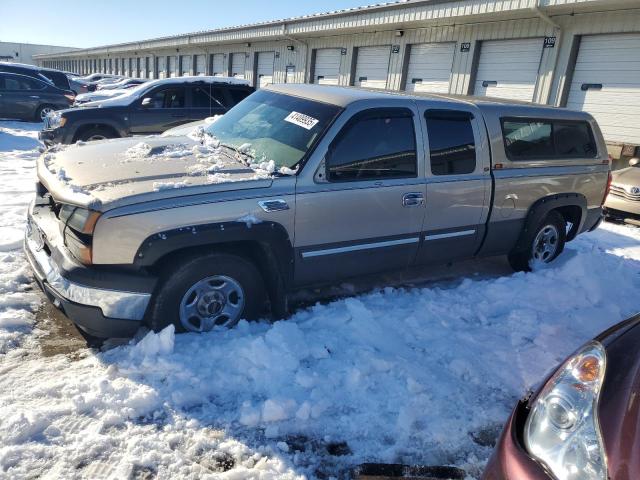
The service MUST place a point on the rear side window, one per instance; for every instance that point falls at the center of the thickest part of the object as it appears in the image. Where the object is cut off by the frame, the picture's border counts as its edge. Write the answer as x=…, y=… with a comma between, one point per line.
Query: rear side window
x=452, y=146
x=375, y=145
x=237, y=95
x=547, y=139
x=205, y=97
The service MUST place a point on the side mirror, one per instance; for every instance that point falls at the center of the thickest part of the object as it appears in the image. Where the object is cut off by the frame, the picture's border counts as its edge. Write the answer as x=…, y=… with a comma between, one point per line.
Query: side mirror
x=634, y=162
x=145, y=102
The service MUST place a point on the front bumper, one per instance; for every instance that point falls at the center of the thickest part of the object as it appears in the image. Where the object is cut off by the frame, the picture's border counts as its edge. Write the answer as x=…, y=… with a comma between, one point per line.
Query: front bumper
x=510, y=461
x=94, y=305
x=51, y=136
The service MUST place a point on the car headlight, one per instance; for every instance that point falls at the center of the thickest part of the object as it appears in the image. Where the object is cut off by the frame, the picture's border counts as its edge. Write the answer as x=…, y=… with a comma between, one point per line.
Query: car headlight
x=56, y=120
x=563, y=430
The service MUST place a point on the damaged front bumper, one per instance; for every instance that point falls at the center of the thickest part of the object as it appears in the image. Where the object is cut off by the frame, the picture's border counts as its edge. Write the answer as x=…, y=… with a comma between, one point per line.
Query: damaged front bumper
x=94, y=304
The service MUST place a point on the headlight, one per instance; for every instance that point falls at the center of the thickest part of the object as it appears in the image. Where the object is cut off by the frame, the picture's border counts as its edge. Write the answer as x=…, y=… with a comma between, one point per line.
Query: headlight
x=563, y=430
x=56, y=120
x=80, y=219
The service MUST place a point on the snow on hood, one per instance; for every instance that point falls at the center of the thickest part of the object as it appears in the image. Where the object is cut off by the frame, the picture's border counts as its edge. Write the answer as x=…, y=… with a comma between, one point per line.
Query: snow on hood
x=130, y=170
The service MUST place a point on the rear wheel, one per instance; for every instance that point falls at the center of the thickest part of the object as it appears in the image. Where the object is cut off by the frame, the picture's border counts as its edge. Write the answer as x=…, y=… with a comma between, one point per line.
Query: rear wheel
x=543, y=244
x=97, y=133
x=207, y=291
x=43, y=111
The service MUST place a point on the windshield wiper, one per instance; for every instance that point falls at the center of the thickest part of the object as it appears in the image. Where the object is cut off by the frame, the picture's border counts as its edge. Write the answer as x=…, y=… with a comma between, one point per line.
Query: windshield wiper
x=244, y=156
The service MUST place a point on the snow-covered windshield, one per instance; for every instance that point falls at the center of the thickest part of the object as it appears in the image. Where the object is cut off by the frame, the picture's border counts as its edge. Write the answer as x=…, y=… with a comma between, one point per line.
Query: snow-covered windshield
x=270, y=126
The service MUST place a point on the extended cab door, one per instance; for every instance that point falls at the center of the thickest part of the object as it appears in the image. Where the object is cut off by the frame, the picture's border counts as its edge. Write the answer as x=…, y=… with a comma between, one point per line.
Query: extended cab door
x=458, y=183
x=159, y=109
x=361, y=209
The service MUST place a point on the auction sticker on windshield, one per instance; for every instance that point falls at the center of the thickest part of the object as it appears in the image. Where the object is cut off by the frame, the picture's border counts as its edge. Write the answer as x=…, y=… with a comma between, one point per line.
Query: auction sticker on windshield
x=302, y=120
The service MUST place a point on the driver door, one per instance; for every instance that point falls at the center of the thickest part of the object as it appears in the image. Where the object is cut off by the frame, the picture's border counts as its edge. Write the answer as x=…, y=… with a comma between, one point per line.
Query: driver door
x=160, y=109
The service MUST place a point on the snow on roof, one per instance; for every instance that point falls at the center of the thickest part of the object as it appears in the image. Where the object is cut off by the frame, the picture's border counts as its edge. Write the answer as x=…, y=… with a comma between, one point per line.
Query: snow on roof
x=196, y=79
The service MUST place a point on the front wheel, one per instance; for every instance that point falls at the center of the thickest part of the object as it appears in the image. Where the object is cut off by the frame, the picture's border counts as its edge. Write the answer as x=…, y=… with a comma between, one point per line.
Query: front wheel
x=543, y=244
x=207, y=291
x=95, y=134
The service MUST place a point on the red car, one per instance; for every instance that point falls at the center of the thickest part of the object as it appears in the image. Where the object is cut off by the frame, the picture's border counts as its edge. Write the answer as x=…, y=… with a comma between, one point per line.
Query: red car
x=584, y=421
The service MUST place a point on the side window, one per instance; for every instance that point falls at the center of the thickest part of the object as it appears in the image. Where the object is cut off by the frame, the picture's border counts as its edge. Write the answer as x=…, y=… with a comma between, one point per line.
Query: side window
x=12, y=83
x=375, y=145
x=205, y=97
x=574, y=139
x=2, y=85
x=452, y=146
x=168, y=98
x=527, y=139
x=547, y=139
x=238, y=94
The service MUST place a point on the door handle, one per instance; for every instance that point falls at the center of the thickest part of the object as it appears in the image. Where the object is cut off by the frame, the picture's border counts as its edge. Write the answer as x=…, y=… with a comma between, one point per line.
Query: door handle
x=412, y=199
x=34, y=96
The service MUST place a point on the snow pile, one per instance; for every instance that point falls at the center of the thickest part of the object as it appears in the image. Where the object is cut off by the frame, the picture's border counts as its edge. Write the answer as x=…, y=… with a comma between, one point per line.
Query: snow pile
x=418, y=376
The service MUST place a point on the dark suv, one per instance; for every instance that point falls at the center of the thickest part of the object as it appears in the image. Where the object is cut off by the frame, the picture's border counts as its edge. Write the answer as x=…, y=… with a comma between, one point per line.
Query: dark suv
x=29, y=98
x=56, y=77
x=150, y=108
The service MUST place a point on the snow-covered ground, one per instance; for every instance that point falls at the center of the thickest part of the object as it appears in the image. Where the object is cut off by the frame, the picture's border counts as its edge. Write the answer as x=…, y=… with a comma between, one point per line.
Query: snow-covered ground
x=423, y=375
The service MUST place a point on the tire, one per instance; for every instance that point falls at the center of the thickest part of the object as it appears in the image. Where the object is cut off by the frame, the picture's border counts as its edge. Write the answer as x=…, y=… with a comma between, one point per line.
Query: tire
x=41, y=112
x=553, y=225
x=94, y=134
x=216, y=273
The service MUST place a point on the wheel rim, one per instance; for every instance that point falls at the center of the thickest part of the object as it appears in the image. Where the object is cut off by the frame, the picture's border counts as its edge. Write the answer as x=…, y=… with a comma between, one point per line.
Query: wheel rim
x=545, y=244
x=45, y=111
x=93, y=138
x=213, y=301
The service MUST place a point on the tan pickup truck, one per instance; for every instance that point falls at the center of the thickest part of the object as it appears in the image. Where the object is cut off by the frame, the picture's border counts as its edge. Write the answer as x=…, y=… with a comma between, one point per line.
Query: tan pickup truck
x=303, y=185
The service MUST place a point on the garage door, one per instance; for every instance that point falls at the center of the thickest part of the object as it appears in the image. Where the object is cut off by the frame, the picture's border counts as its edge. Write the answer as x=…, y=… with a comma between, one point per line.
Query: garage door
x=217, y=67
x=172, y=66
x=186, y=65
x=509, y=68
x=162, y=67
x=429, y=68
x=201, y=65
x=372, y=67
x=606, y=83
x=265, y=68
x=238, y=65
x=326, y=70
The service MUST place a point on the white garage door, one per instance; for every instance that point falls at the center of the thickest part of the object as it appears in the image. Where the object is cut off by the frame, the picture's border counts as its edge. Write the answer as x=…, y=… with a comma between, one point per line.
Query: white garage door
x=201, y=65
x=265, y=68
x=372, y=67
x=327, y=67
x=509, y=68
x=238, y=65
x=186, y=65
x=429, y=68
x=172, y=66
x=218, y=65
x=606, y=83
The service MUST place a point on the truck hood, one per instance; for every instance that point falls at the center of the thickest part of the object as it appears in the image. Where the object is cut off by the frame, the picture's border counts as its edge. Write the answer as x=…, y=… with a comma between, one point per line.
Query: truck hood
x=629, y=176
x=111, y=173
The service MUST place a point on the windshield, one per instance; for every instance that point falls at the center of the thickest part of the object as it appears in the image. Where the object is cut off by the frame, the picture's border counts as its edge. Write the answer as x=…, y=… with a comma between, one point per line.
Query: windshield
x=270, y=126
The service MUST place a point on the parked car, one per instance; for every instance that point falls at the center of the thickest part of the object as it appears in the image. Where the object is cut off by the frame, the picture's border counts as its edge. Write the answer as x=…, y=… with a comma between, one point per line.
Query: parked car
x=29, y=98
x=582, y=422
x=124, y=83
x=101, y=79
x=77, y=85
x=152, y=107
x=56, y=77
x=301, y=185
x=623, y=201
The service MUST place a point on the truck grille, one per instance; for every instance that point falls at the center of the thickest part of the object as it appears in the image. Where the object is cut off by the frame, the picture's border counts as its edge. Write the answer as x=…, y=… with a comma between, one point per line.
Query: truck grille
x=621, y=192
x=47, y=123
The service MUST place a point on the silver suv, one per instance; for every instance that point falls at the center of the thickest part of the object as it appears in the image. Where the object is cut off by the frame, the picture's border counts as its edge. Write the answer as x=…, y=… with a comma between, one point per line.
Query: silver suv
x=301, y=185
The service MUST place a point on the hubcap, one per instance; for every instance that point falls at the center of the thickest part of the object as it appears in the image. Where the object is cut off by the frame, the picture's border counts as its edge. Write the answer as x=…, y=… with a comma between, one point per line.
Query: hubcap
x=213, y=301
x=545, y=244
x=44, y=112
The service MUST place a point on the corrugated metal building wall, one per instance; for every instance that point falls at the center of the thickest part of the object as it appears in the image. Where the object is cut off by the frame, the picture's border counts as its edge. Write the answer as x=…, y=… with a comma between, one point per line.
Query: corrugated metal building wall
x=526, y=49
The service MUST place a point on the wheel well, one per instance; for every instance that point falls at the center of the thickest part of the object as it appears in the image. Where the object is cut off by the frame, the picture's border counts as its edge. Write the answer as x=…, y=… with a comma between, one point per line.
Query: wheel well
x=85, y=128
x=256, y=252
x=573, y=215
